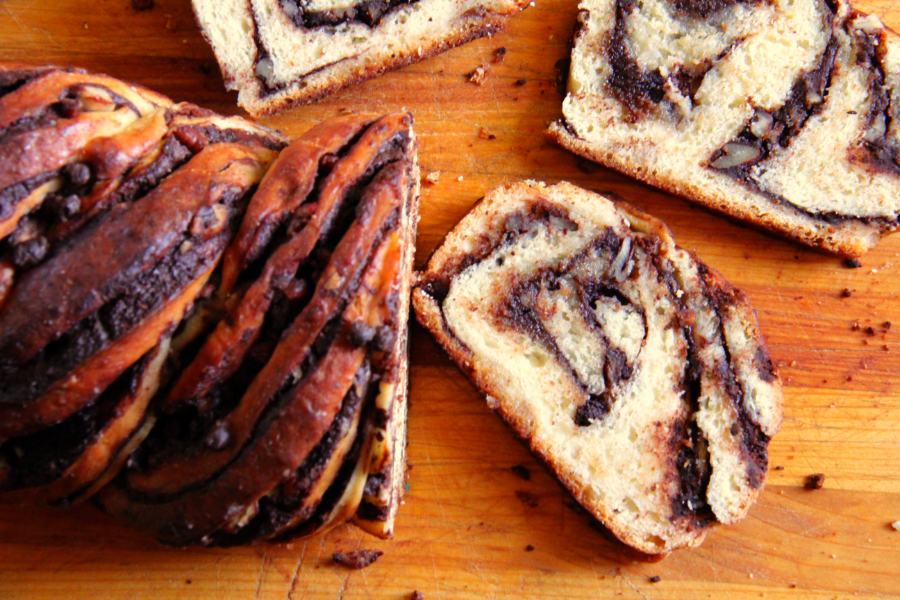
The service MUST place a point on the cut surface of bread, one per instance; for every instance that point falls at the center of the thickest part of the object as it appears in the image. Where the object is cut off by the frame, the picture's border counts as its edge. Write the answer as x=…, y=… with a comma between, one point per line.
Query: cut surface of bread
x=278, y=53
x=781, y=114
x=635, y=372
x=201, y=327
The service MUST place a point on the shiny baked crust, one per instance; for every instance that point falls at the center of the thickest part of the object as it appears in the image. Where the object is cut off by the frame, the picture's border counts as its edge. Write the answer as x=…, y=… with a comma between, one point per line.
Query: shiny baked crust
x=187, y=302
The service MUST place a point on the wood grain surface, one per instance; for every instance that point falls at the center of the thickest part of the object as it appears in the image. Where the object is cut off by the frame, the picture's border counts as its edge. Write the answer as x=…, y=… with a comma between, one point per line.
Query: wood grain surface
x=470, y=527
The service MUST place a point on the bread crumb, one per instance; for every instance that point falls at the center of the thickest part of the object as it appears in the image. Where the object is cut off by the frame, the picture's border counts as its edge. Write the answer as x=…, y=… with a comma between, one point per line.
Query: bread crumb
x=896, y=525
x=657, y=579
x=358, y=559
x=460, y=178
x=480, y=74
x=816, y=481
x=486, y=135
x=529, y=548
x=499, y=55
x=852, y=263
x=433, y=177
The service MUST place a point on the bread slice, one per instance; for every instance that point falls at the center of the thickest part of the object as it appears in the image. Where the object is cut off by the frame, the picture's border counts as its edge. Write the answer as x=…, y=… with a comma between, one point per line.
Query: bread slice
x=285, y=417
x=279, y=53
x=634, y=371
x=781, y=114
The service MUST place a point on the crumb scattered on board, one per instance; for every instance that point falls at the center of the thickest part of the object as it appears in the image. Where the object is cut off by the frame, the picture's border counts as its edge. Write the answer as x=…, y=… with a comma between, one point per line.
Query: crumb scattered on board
x=896, y=525
x=655, y=579
x=357, y=559
x=852, y=263
x=433, y=177
x=480, y=74
x=499, y=55
x=486, y=135
x=417, y=595
x=816, y=481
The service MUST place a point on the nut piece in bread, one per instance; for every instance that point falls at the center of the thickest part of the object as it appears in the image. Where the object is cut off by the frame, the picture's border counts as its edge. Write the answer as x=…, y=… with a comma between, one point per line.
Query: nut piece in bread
x=279, y=53
x=634, y=371
x=781, y=114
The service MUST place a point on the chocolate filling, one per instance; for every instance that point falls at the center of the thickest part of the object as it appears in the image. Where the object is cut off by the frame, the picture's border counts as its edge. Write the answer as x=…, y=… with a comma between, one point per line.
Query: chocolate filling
x=704, y=9
x=515, y=225
x=640, y=90
x=41, y=458
x=766, y=131
x=198, y=424
x=878, y=151
x=138, y=295
x=368, y=12
x=279, y=508
x=15, y=193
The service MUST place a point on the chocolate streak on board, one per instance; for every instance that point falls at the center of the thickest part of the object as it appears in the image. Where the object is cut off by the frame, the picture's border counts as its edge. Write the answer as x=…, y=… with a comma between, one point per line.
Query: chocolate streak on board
x=369, y=12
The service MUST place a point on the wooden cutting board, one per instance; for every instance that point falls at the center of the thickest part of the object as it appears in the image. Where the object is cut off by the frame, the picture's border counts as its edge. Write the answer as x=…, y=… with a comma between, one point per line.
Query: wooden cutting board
x=470, y=527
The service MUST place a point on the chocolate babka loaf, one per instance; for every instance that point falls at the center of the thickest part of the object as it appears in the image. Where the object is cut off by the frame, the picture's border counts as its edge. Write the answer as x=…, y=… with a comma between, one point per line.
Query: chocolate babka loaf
x=634, y=371
x=289, y=418
x=198, y=318
x=781, y=113
x=278, y=53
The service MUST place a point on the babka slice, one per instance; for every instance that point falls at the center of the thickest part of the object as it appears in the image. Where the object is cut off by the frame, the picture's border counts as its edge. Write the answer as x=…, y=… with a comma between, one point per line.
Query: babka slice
x=278, y=53
x=782, y=113
x=635, y=372
x=289, y=418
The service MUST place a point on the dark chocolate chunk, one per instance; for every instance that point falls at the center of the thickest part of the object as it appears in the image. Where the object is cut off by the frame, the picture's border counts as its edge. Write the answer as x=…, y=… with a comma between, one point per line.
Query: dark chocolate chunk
x=852, y=263
x=595, y=407
x=816, y=481
x=655, y=579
